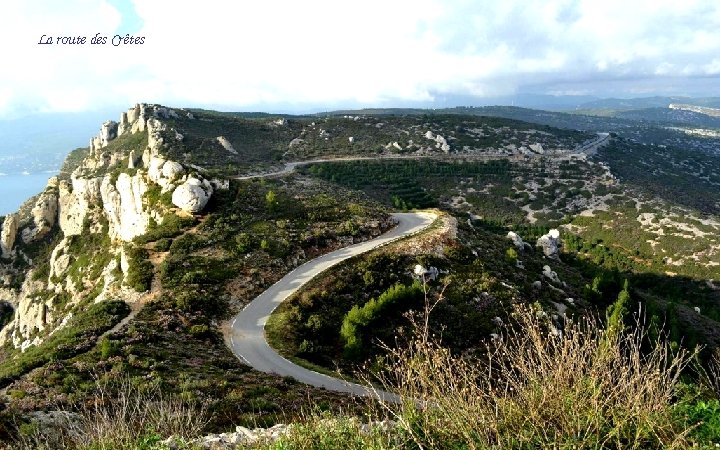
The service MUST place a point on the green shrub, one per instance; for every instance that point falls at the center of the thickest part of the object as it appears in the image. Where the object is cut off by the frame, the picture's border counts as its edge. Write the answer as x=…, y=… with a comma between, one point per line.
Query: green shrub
x=172, y=225
x=704, y=415
x=265, y=244
x=511, y=255
x=199, y=330
x=163, y=245
x=271, y=201
x=359, y=319
x=109, y=347
x=243, y=243
x=140, y=270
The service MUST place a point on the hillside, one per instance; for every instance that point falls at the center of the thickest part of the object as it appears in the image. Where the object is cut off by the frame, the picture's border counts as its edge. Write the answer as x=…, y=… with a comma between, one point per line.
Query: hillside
x=124, y=276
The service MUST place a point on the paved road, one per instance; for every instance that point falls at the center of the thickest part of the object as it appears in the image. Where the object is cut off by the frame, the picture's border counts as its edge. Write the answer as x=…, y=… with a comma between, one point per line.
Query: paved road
x=247, y=332
x=291, y=166
x=590, y=148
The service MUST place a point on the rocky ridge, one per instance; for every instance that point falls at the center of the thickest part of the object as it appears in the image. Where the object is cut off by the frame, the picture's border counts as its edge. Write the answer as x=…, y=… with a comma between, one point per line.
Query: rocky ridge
x=118, y=191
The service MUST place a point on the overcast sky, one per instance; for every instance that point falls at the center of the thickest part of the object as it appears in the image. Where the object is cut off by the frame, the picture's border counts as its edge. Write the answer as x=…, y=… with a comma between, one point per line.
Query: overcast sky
x=291, y=55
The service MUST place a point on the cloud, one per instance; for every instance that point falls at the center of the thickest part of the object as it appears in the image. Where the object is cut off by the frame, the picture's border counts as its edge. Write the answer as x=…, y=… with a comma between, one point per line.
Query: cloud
x=289, y=54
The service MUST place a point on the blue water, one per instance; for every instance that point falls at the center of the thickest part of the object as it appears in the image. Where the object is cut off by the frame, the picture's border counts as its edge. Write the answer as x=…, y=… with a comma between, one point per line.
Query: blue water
x=16, y=188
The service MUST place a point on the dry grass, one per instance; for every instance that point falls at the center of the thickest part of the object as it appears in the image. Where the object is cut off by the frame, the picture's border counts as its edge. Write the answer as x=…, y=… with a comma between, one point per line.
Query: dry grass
x=710, y=377
x=131, y=419
x=539, y=389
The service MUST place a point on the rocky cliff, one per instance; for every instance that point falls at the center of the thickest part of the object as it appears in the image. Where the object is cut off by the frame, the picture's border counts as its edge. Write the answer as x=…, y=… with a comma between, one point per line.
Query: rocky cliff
x=67, y=247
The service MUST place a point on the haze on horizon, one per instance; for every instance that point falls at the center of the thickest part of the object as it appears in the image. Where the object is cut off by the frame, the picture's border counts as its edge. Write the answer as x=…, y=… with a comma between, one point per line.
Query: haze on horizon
x=288, y=56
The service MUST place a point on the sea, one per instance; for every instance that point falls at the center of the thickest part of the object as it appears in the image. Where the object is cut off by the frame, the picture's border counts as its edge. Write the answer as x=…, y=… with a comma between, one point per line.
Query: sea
x=16, y=188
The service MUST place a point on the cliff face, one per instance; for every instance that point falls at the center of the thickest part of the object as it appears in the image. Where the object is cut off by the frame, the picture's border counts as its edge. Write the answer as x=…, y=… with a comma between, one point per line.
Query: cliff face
x=68, y=248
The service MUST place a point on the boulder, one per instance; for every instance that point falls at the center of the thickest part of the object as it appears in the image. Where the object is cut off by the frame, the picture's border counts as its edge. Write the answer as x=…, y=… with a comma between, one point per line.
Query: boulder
x=516, y=240
x=426, y=274
x=442, y=144
x=226, y=145
x=192, y=195
x=172, y=170
x=295, y=142
x=551, y=274
x=8, y=235
x=537, y=148
x=155, y=168
x=550, y=244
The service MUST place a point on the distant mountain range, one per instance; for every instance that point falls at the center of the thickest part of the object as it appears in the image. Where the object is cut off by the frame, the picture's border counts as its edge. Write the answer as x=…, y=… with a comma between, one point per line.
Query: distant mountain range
x=648, y=102
x=41, y=142
x=569, y=102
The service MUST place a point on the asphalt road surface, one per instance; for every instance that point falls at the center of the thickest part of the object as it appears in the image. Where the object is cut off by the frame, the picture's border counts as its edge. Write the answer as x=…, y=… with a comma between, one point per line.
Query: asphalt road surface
x=247, y=332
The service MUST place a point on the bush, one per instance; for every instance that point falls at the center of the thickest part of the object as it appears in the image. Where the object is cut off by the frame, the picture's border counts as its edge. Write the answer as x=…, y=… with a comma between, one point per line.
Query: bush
x=172, y=225
x=243, y=243
x=359, y=319
x=704, y=416
x=271, y=201
x=199, y=330
x=163, y=245
x=511, y=255
x=109, y=347
x=140, y=270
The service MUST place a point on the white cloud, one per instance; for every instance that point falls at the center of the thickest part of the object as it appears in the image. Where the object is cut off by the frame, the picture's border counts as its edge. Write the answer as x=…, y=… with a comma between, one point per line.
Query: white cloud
x=272, y=54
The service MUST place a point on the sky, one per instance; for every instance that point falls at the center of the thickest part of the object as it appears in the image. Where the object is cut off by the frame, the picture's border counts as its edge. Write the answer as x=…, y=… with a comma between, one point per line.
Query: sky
x=314, y=55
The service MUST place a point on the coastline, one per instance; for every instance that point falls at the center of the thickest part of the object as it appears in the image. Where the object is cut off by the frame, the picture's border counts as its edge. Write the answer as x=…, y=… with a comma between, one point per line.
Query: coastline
x=16, y=188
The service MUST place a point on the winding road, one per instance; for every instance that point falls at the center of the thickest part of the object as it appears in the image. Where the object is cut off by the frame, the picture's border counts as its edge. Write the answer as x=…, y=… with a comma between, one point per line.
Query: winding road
x=247, y=331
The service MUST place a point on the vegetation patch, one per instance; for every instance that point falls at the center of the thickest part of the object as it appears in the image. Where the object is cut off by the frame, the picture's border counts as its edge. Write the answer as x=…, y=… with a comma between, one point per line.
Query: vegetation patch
x=78, y=336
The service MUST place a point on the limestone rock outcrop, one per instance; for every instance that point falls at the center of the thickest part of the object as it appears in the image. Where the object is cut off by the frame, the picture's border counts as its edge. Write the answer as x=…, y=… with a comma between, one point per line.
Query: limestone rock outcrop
x=113, y=190
x=551, y=274
x=518, y=242
x=227, y=145
x=192, y=195
x=75, y=201
x=123, y=206
x=537, y=148
x=60, y=259
x=440, y=141
x=30, y=315
x=442, y=144
x=8, y=235
x=108, y=132
x=43, y=214
x=550, y=244
x=164, y=172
